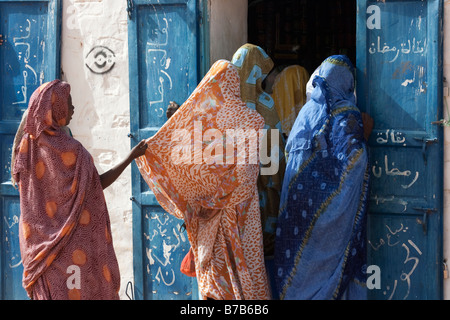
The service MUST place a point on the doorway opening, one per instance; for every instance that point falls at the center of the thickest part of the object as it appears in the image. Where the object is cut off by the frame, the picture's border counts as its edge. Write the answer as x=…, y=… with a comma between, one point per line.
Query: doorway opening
x=303, y=32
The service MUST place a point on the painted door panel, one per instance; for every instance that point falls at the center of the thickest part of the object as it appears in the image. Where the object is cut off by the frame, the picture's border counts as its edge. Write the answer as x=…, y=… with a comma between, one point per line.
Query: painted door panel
x=29, y=56
x=164, y=67
x=399, y=76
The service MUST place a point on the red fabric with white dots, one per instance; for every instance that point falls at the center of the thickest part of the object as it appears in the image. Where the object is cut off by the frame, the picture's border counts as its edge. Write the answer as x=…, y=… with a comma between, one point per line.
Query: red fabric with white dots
x=65, y=235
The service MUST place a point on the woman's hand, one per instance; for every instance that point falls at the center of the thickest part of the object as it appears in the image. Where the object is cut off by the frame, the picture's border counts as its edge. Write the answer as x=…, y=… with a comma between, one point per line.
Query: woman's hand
x=138, y=150
x=368, y=124
x=171, y=109
x=111, y=175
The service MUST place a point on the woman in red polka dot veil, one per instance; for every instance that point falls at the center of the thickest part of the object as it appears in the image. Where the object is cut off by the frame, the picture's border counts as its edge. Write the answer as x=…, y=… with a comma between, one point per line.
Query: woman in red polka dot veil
x=65, y=234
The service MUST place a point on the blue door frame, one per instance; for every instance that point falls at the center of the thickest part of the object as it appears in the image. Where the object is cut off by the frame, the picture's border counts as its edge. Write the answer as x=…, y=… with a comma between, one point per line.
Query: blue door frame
x=167, y=56
x=30, y=55
x=399, y=82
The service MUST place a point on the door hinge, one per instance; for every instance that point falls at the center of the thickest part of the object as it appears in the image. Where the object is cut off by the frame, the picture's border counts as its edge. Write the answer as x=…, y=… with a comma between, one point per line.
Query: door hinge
x=425, y=143
x=130, y=7
x=424, y=221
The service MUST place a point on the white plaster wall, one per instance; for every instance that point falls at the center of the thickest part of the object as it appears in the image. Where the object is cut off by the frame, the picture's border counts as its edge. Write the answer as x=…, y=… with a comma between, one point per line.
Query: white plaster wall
x=101, y=120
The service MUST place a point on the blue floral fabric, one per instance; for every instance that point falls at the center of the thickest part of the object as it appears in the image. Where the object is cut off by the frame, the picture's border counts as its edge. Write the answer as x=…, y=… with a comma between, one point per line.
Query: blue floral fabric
x=320, y=246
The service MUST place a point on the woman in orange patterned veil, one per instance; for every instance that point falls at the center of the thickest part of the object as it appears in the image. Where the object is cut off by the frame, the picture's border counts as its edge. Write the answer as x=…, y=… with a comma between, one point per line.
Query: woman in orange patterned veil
x=65, y=234
x=193, y=169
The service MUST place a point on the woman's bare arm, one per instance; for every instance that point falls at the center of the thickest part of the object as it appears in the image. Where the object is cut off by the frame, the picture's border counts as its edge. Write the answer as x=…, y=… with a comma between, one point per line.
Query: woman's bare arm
x=111, y=175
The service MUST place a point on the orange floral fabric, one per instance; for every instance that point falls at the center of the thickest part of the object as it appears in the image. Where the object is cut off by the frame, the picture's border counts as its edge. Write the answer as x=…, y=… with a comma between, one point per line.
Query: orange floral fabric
x=195, y=174
x=65, y=239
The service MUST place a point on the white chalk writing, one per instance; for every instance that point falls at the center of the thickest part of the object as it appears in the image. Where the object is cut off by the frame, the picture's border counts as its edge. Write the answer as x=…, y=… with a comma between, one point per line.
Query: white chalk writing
x=412, y=252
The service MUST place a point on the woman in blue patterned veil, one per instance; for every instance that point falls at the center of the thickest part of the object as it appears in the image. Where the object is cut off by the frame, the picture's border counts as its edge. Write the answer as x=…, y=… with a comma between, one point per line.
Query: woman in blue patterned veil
x=320, y=247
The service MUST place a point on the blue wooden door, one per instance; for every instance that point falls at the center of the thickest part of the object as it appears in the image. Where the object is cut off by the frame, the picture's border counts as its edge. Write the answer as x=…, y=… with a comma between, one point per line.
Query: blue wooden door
x=29, y=57
x=164, y=53
x=399, y=81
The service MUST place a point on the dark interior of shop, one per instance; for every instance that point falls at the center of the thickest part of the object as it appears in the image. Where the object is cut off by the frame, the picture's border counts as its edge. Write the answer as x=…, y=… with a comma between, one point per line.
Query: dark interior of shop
x=303, y=32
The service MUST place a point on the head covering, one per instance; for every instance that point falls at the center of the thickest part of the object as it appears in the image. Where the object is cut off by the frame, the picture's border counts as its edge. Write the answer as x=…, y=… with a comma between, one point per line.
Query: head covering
x=48, y=108
x=320, y=239
x=194, y=172
x=289, y=95
x=253, y=65
x=64, y=223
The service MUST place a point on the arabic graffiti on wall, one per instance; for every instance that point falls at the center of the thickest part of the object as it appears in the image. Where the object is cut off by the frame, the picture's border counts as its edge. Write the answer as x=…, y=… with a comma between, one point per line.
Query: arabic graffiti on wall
x=396, y=54
x=23, y=44
x=390, y=49
x=165, y=244
x=398, y=286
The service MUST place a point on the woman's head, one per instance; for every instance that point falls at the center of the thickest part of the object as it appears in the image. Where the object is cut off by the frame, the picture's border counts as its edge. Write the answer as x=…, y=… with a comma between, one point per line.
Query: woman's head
x=336, y=78
x=50, y=107
x=253, y=59
x=253, y=65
